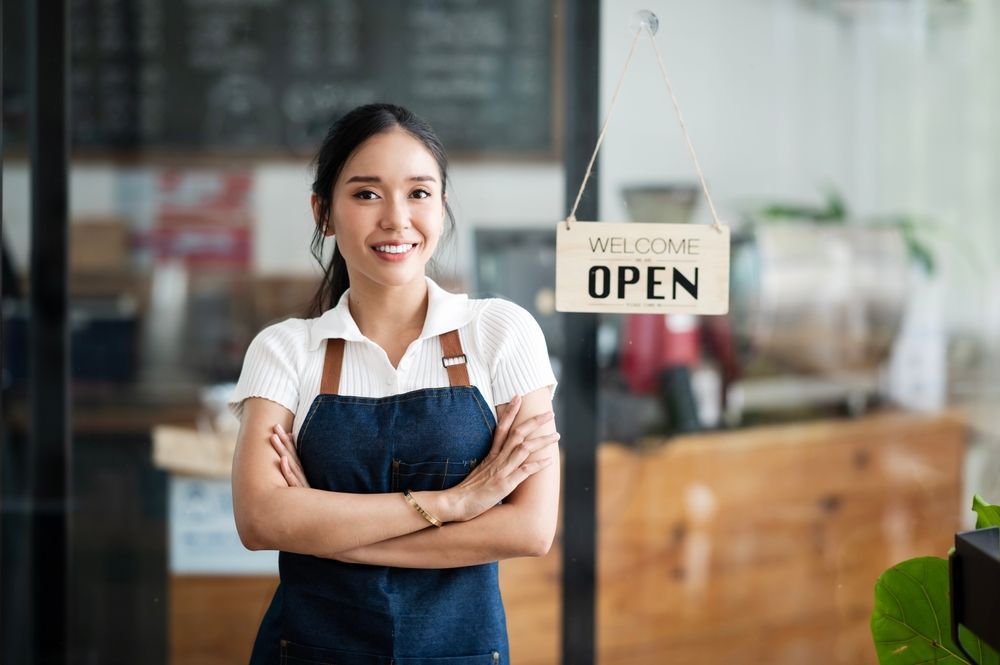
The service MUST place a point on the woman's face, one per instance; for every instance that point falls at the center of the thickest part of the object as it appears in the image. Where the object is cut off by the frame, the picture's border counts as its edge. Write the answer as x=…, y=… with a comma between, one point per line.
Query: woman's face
x=387, y=210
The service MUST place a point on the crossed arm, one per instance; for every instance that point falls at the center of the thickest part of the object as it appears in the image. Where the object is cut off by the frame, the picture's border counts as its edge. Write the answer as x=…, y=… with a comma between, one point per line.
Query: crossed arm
x=383, y=529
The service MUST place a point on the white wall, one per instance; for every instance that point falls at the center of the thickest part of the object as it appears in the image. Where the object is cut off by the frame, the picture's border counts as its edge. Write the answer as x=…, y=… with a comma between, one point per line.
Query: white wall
x=895, y=107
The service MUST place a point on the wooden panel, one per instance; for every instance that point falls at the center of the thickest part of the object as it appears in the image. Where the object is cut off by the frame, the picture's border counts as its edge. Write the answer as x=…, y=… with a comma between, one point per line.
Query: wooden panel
x=214, y=620
x=531, y=597
x=763, y=545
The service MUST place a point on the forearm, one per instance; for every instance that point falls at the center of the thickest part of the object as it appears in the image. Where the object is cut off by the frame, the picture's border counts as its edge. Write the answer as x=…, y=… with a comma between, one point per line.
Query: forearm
x=322, y=523
x=502, y=532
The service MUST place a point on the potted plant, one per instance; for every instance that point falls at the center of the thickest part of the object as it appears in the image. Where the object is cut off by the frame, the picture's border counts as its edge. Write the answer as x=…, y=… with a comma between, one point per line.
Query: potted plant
x=912, y=619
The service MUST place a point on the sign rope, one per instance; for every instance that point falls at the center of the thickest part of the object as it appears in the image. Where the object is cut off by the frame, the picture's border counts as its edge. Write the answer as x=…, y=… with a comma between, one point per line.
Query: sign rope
x=645, y=27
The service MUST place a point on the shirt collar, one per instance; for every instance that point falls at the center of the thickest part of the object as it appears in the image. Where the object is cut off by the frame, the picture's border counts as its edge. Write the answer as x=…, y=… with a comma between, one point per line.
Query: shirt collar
x=445, y=311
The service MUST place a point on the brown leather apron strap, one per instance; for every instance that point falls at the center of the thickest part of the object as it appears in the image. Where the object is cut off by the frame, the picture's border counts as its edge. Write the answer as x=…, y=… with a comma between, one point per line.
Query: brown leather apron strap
x=331, y=367
x=454, y=359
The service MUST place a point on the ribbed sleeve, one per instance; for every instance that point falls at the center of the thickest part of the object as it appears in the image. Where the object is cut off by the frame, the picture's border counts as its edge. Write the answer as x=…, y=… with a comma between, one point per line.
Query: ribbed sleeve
x=513, y=340
x=272, y=367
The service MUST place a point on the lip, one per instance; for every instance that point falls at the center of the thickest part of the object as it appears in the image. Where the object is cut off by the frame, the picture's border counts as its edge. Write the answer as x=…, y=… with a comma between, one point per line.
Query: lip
x=394, y=258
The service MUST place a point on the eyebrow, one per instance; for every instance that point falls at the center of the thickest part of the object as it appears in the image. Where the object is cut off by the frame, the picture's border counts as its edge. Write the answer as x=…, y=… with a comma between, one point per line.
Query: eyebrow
x=375, y=178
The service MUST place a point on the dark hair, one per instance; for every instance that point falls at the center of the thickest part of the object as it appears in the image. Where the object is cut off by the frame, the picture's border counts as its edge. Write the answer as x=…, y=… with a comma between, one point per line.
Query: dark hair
x=342, y=139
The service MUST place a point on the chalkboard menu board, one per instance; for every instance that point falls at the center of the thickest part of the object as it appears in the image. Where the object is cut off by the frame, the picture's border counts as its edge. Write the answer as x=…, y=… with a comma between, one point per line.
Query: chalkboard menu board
x=268, y=76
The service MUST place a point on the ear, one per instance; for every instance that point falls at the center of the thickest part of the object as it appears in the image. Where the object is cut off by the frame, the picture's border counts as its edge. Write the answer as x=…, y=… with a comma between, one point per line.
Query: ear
x=315, y=202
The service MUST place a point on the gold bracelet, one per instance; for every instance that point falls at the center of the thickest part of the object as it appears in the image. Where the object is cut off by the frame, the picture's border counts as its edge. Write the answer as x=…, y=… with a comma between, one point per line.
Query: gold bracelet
x=427, y=516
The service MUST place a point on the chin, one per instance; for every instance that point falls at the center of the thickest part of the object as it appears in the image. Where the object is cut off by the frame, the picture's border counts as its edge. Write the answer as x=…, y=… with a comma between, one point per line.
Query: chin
x=398, y=277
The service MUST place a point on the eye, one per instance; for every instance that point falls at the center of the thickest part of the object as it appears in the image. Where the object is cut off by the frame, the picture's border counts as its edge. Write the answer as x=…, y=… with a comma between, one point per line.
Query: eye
x=420, y=194
x=366, y=195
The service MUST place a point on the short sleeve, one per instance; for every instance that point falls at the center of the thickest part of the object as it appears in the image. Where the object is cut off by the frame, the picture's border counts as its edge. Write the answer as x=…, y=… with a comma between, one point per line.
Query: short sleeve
x=520, y=357
x=271, y=367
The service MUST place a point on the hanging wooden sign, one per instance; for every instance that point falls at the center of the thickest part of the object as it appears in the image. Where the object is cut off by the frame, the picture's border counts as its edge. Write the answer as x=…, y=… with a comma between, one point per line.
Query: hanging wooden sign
x=631, y=268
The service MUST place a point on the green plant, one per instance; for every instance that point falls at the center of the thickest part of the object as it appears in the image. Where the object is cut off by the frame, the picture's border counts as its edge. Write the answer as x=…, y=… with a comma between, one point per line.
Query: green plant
x=834, y=211
x=911, y=621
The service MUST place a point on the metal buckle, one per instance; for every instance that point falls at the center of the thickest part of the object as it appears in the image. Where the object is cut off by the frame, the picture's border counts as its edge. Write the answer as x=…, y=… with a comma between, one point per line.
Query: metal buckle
x=448, y=361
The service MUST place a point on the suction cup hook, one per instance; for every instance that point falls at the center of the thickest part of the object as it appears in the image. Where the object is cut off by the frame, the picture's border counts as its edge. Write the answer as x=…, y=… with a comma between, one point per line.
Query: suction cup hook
x=644, y=19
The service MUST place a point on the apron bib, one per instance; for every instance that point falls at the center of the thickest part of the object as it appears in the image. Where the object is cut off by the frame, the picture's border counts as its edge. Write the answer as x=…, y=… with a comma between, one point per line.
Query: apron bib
x=336, y=613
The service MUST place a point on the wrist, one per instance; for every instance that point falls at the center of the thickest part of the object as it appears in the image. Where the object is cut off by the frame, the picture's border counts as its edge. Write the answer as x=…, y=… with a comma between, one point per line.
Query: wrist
x=439, y=503
x=434, y=503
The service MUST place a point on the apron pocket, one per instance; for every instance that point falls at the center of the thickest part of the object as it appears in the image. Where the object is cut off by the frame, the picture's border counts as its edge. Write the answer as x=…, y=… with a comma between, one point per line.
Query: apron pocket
x=300, y=654
x=429, y=475
x=489, y=658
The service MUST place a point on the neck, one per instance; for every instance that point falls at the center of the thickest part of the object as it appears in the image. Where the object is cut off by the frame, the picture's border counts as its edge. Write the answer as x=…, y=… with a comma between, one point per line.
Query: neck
x=388, y=311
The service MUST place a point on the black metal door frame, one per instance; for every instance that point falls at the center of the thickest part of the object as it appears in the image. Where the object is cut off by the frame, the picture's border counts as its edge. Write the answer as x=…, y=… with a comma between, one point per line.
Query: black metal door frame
x=49, y=439
x=581, y=58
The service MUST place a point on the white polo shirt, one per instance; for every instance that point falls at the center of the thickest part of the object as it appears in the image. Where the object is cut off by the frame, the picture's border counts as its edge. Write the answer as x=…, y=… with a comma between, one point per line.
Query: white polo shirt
x=503, y=344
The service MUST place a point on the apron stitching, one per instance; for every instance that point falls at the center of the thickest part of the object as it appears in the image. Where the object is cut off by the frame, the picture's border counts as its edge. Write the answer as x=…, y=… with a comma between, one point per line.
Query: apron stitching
x=486, y=420
x=309, y=416
x=390, y=399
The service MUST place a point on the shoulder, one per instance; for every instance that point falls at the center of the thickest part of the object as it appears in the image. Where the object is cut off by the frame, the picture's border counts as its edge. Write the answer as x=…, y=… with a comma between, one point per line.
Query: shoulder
x=284, y=341
x=273, y=365
x=505, y=330
x=513, y=347
x=499, y=316
x=290, y=333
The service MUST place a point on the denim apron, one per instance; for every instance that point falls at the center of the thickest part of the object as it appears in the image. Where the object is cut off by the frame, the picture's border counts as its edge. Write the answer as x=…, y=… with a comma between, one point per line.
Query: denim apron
x=326, y=611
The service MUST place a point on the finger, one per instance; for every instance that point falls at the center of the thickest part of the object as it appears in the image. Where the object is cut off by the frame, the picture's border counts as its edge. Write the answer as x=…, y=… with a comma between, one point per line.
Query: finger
x=528, y=469
x=288, y=442
x=289, y=458
x=296, y=466
x=287, y=439
x=533, y=423
x=289, y=445
x=508, y=417
x=278, y=446
x=503, y=427
x=299, y=478
x=286, y=471
x=521, y=432
x=299, y=473
x=520, y=452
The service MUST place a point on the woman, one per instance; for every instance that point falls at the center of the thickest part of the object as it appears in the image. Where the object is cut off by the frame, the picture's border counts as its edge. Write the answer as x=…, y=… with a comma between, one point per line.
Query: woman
x=399, y=409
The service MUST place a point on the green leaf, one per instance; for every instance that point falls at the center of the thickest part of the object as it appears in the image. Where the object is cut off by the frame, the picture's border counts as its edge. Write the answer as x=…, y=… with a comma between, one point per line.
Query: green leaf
x=911, y=621
x=988, y=514
x=836, y=208
x=833, y=212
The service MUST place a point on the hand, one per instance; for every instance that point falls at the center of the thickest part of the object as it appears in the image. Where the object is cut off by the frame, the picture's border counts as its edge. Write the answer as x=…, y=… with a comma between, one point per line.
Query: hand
x=505, y=467
x=284, y=444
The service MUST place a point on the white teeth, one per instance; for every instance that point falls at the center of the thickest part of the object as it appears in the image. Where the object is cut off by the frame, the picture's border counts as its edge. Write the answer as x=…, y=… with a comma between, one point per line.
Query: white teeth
x=394, y=249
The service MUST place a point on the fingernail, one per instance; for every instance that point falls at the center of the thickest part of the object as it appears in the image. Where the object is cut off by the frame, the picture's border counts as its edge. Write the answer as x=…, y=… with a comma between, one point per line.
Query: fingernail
x=281, y=429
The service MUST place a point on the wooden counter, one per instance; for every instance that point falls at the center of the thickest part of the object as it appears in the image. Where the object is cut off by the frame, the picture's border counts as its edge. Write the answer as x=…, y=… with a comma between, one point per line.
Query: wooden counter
x=751, y=546
x=754, y=546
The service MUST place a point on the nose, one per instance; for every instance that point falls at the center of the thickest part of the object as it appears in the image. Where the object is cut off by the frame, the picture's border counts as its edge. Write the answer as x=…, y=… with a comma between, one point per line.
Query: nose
x=397, y=215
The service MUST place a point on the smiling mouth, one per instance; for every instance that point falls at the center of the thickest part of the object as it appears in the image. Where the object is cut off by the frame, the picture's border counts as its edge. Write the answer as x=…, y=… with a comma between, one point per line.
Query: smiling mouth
x=394, y=249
